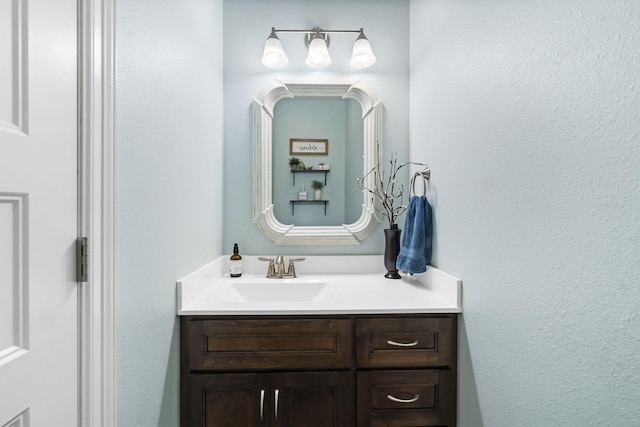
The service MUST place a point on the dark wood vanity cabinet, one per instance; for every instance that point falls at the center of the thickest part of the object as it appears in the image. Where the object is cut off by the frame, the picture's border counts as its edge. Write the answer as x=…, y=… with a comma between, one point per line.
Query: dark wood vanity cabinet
x=406, y=371
x=267, y=371
x=318, y=371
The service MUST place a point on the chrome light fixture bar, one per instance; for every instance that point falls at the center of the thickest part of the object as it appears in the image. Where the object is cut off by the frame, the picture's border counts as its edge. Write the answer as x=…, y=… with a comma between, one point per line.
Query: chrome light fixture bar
x=317, y=42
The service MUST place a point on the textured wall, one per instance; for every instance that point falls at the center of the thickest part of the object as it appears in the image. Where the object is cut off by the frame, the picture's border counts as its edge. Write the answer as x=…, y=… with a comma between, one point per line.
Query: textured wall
x=247, y=23
x=168, y=188
x=529, y=114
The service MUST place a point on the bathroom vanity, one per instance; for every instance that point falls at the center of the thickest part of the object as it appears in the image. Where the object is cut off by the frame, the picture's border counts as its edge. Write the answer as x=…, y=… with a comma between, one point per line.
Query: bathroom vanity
x=348, y=349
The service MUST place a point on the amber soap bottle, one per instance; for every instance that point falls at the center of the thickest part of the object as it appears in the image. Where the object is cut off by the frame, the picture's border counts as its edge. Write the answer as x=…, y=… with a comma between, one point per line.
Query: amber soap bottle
x=235, y=263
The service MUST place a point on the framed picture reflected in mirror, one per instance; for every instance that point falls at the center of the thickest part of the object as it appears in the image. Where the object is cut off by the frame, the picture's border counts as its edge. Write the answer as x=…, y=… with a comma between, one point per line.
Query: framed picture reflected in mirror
x=302, y=147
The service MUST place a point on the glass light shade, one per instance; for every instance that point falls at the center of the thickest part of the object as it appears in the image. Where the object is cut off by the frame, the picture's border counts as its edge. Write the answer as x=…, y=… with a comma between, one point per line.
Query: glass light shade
x=274, y=56
x=362, y=56
x=318, y=55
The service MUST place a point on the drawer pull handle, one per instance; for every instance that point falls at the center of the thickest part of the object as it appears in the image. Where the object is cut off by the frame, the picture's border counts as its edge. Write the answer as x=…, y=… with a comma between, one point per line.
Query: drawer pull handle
x=401, y=344
x=262, y=405
x=395, y=399
x=277, y=395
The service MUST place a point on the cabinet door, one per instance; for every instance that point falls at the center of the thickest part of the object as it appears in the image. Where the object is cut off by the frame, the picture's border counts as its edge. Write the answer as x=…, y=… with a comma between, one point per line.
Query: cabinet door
x=312, y=399
x=226, y=400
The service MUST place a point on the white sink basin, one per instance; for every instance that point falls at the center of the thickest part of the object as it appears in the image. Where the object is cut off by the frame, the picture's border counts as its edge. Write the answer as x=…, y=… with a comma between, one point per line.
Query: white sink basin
x=283, y=290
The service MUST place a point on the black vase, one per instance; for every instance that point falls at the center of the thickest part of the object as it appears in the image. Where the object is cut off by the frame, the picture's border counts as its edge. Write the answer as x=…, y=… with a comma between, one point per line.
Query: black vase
x=391, y=251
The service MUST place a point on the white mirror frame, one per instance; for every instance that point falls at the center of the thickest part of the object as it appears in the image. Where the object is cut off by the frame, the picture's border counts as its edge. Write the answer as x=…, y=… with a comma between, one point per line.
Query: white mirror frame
x=263, y=215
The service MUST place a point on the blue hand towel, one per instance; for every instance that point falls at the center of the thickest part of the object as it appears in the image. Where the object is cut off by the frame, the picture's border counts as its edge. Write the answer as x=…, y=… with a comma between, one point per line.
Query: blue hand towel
x=415, y=247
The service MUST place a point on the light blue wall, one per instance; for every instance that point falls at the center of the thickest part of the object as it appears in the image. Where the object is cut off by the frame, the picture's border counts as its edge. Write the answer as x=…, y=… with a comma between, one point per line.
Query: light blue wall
x=168, y=188
x=529, y=115
x=247, y=23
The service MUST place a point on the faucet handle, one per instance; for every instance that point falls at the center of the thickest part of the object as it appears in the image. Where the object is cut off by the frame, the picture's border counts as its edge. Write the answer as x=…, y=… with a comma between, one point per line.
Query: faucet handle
x=291, y=271
x=271, y=270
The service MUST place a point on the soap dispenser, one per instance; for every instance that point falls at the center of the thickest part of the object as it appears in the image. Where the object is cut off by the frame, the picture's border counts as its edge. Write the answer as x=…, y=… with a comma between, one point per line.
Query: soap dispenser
x=235, y=262
x=302, y=194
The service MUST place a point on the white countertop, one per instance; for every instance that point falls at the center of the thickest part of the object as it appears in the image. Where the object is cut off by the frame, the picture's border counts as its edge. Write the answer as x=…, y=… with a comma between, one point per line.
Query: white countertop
x=356, y=286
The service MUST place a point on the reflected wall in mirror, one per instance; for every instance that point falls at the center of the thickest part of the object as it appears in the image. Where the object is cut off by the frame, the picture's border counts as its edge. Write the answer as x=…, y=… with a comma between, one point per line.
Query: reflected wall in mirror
x=349, y=116
x=339, y=122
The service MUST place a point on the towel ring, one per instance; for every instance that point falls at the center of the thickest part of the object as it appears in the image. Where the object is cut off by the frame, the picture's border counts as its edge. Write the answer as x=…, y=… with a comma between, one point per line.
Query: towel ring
x=425, y=175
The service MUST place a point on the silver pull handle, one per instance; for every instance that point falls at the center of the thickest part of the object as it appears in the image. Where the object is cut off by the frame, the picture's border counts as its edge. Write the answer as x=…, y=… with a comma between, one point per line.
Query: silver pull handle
x=276, y=395
x=402, y=344
x=396, y=399
x=262, y=405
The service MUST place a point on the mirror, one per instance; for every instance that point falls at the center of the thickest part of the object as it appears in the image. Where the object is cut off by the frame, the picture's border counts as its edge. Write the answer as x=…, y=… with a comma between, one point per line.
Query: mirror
x=325, y=135
x=263, y=162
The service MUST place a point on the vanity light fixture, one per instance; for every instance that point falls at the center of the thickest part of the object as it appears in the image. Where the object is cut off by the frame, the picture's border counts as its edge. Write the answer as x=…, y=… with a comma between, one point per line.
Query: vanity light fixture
x=317, y=42
x=362, y=56
x=318, y=45
x=274, y=56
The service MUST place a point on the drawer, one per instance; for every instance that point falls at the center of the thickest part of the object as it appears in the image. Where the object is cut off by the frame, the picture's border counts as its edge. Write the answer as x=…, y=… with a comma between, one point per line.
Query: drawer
x=406, y=398
x=267, y=344
x=406, y=342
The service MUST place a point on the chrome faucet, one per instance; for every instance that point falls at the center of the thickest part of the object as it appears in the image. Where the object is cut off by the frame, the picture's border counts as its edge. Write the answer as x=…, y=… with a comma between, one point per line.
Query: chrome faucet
x=280, y=273
x=280, y=264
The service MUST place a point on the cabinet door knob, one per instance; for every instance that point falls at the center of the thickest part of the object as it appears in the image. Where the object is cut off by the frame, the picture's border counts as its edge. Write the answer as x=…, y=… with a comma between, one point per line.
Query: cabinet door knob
x=396, y=399
x=262, y=405
x=401, y=344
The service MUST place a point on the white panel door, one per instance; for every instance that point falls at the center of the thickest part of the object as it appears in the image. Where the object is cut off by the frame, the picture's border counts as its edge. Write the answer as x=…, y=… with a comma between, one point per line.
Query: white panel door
x=38, y=213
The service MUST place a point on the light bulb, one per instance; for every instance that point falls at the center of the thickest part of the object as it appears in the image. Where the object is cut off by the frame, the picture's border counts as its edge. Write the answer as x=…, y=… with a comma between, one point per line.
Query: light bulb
x=362, y=56
x=274, y=56
x=318, y=55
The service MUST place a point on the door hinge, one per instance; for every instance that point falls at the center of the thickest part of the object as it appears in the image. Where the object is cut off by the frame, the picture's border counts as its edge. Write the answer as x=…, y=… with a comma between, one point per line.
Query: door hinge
x=82, y=259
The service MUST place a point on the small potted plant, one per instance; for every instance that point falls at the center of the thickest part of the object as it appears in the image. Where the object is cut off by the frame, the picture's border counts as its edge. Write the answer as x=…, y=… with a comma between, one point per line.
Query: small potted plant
x=294, y=162
x=317, y=186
